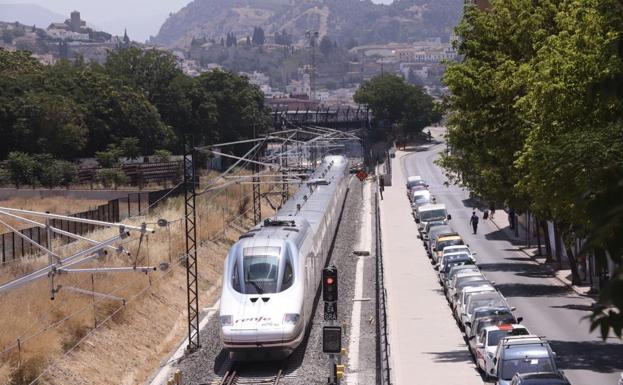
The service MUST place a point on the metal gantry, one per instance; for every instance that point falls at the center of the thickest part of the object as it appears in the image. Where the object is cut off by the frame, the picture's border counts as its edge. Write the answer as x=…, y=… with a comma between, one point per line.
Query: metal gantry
x=58, y=265
x=190, y=218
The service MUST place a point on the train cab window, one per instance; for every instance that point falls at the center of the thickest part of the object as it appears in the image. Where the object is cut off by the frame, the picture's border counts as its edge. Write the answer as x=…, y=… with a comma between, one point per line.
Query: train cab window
x=288, y=275
x=235, y=280
x=260, y=274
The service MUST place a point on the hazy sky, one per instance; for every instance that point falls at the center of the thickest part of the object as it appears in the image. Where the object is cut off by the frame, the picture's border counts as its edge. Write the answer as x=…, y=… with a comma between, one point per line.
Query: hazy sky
x=142, y=18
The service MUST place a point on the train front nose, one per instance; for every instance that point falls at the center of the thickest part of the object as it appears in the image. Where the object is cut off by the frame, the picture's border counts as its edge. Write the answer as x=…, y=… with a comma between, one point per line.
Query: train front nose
x=258, y=326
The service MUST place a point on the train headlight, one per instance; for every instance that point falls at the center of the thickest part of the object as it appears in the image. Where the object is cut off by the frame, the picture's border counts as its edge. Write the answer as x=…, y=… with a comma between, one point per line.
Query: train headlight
x=226, y=320
x=291, y=319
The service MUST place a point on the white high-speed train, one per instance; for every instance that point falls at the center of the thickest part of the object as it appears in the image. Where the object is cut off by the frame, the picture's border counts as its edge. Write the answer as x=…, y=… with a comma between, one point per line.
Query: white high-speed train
x=272, y=273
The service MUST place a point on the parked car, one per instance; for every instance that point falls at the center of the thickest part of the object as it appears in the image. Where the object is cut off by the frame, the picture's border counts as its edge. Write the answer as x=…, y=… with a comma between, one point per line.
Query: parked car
x=415, y=180
x=420, y=197
x=431, y=212
x=460, y=280
x=467, y=292
x=424, y=234
x=456, y=270
x=522, y=354
x=458, y=249
x=434, y=231
x=484, y=345
x=484, y=300
x=442, y=242
x=543, y=379
x=436, y=237
x=449, y=261
x=488, y=316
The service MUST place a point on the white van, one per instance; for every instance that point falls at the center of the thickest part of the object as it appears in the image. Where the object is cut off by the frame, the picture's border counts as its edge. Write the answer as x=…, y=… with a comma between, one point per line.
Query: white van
x=431, y=212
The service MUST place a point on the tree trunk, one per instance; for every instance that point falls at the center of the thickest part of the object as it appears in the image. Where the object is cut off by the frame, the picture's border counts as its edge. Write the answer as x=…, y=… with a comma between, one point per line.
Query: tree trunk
x=557, y=243
x=573, y=263
x=546, y=241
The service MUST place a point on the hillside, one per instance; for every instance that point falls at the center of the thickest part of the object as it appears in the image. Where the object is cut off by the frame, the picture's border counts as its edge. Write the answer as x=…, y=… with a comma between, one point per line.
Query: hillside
x=29, y=14
x=362, y=20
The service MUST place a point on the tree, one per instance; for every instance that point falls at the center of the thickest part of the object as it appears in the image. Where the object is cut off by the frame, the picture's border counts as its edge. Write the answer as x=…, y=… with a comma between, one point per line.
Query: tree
x=258, y=36
x=20, y=168
x=400, y=110
x=162, y=156
x=326, y=45
x=47, y=123
x=239, y=106
x=486, y=130
x=108, y=158
x=129, y=148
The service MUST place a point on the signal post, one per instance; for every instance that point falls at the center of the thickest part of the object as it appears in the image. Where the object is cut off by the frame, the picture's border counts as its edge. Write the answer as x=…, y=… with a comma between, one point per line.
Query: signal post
x=331, y=332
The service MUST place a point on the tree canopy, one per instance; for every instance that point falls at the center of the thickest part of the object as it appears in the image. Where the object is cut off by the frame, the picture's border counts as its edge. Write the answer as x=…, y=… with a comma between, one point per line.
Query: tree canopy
x=399, y=109
x=535, y=118
x=138, y=97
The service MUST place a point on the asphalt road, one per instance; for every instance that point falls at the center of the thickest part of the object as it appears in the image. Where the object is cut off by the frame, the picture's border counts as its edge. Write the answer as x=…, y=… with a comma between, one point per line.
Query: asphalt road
x=549, y=308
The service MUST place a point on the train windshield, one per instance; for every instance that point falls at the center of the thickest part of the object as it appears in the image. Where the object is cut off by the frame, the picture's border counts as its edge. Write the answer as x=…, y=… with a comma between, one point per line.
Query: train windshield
x=260, y=271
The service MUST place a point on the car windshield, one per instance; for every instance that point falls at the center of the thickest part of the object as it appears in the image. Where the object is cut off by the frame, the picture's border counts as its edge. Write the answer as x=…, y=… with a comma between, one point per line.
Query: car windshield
x=525, y=365
x=432, y=215
x=413, y=183
x=451, y=263
x=450, y=242
x=463, y=281
x=496, y=335
x=421, y=198
x=454, y=272
x=485, y=303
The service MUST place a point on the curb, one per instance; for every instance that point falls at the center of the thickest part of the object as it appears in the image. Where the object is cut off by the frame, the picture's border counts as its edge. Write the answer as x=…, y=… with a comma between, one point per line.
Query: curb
x=569, y=285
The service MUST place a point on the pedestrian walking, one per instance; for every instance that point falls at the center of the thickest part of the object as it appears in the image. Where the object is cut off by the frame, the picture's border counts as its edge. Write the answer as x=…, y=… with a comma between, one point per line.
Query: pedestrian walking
x=491, y=211
x=485, y=214
x=511, y=218
x=474, y=221
x=381, y=185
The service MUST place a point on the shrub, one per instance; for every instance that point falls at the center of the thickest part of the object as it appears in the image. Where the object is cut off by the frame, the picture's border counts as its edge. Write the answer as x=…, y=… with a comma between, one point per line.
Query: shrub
x=162, y=155
x=20, y=168
x=111, y=177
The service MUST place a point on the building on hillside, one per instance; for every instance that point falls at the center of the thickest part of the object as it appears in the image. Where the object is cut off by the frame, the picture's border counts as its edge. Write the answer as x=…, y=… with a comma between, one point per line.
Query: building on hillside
x=74, y=22
x=58, y=27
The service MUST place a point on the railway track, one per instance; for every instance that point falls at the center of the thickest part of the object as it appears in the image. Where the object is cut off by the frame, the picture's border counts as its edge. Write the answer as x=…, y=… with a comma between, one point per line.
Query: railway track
x=237, y=376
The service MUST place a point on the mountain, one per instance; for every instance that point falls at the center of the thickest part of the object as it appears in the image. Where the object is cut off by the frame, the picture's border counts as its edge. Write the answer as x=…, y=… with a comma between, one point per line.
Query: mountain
x=362, y=20
x=29, y=14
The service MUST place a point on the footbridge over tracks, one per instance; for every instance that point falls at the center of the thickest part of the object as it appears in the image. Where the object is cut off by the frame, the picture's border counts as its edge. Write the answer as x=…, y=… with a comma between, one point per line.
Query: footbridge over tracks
x=342, y=118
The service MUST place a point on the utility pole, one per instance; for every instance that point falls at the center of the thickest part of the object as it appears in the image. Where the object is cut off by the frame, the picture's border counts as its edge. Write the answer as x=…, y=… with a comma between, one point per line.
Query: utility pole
x=192, y=290
x=312, y=36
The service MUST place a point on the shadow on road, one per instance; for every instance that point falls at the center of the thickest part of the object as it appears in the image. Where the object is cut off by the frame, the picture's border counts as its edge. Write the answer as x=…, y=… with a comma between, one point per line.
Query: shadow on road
x=573, y=306
x=501, y=235
x=531, y=290
x=460, y=355
x=589, y=355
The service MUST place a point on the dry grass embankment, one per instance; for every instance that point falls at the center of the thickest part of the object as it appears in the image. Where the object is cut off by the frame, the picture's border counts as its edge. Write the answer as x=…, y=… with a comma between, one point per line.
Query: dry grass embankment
x=57, y=205
x=124, y=343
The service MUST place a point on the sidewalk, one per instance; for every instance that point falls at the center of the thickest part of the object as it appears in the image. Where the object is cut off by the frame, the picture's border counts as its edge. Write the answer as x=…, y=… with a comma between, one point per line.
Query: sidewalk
x=563, y=275
x=426, y=346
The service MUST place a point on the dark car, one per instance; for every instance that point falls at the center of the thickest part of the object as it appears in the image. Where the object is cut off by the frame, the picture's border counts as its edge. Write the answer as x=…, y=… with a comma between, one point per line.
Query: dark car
x=547, y=378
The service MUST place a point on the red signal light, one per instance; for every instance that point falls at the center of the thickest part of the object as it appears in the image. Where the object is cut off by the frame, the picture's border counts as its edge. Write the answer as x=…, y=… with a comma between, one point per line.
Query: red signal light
x=330, y=280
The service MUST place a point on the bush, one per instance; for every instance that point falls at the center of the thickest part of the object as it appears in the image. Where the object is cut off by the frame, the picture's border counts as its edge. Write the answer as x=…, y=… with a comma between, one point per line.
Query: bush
x=162, y=155
x=58, y=173
x=20, y=168
x=111, y=177
x=108, y=158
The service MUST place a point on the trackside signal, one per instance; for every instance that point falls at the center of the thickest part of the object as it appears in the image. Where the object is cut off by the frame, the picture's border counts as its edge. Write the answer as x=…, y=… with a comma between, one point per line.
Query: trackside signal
x=329, y=284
